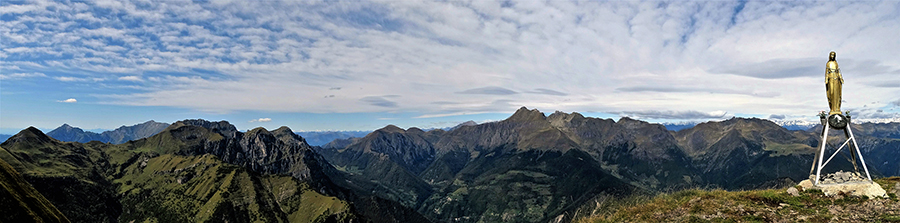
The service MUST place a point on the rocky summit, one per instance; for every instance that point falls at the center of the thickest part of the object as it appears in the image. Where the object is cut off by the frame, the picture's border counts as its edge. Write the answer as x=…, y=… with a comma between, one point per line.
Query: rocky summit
x=840, y=177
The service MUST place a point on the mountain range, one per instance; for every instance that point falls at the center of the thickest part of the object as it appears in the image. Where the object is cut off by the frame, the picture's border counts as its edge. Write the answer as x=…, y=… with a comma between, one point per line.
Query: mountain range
x=535, y=168
x=194, y=170
x=122, y=134
x=529, y=167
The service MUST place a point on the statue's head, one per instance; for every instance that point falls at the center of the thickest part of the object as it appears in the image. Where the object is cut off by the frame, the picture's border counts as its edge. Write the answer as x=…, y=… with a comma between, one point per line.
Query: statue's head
x=831, y=56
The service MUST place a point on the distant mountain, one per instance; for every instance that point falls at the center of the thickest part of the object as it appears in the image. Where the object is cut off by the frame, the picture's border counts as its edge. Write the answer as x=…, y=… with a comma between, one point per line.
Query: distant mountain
x=787, y=124
x=795, y=124
x=677, y=126
x=67, y=133
x=122, y=134
x=319, y=138
x=134, y=132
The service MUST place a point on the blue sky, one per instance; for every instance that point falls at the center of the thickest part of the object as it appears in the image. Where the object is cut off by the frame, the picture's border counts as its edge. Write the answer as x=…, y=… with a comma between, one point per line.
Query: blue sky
x=360, y=65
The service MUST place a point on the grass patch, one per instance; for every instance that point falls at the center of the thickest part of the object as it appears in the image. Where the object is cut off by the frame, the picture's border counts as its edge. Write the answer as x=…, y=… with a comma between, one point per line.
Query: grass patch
x=890, y=218
x=773, y=205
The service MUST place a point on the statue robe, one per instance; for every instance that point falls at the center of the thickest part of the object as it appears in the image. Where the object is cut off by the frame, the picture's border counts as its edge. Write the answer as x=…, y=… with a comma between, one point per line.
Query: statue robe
x=833, y=82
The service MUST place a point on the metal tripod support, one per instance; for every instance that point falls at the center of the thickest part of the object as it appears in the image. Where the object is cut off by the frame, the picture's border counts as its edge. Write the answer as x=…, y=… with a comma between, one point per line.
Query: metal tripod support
x=821, y=154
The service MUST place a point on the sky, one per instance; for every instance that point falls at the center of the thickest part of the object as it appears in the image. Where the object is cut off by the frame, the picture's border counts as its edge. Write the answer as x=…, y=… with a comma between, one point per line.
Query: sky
x=361, y=65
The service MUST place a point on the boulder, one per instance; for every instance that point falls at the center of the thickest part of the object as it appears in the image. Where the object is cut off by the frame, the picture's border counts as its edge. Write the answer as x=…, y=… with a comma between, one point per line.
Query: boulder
x=793, y=191
x=865, y=188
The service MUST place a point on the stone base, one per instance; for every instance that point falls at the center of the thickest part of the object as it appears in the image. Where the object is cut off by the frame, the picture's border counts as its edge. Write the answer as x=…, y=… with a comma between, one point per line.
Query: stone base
x=859, y=188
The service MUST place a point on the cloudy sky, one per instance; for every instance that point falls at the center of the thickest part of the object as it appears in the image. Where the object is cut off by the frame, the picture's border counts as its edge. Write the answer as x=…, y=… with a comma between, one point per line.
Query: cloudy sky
x=360, y=65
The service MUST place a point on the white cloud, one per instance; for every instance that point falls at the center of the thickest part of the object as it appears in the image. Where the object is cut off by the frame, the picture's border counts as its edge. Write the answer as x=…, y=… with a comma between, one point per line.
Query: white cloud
x=13, y=76
x=131, y=78
x=480, y=56
x=70, y=100
x=261, y=120
x=68, y=79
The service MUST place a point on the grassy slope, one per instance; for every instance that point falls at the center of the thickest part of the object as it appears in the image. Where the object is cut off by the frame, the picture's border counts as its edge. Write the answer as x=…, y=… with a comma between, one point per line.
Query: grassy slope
x=135, y=183
x=67, y=174
x=172, y=188
x=22, y=203
x=774, y=205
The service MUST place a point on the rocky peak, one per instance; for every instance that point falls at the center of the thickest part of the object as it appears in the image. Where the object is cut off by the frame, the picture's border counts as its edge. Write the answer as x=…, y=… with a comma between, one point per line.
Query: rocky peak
x=391, y=129
x=221, y=127
x=525, y=115
x=66, y=128
x=560, y=119
x=258, y=130
x=288, y=136
x=414, y=130
x=632, y=124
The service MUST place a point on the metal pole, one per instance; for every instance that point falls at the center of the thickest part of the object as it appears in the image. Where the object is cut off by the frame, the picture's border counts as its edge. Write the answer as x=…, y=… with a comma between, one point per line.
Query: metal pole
x=838, y=150
x=812, y=167
x=861, y=160
x=853, y=156
x=822, y=153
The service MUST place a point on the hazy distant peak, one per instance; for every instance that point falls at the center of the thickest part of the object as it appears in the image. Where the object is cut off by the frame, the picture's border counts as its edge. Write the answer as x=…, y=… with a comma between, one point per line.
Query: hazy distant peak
x=67, y=127
x=468, y=123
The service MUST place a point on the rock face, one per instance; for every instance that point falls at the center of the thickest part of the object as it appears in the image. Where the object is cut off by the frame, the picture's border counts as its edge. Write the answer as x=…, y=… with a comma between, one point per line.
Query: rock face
x=279, y=151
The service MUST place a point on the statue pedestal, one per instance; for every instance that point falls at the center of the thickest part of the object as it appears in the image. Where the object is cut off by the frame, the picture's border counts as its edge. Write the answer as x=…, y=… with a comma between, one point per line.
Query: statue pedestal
x=857, y=188
x=838, y=122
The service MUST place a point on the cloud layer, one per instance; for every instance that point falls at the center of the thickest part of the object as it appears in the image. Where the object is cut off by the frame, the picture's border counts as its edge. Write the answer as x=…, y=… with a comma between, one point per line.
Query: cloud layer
x=683, y=60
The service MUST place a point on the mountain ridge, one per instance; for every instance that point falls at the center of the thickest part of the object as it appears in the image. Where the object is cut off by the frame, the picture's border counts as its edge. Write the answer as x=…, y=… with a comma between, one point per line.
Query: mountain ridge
x=122, y=134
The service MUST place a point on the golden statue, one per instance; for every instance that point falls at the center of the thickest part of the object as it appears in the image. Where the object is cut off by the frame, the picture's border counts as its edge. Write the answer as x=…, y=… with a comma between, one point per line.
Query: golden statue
x=833, y=82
